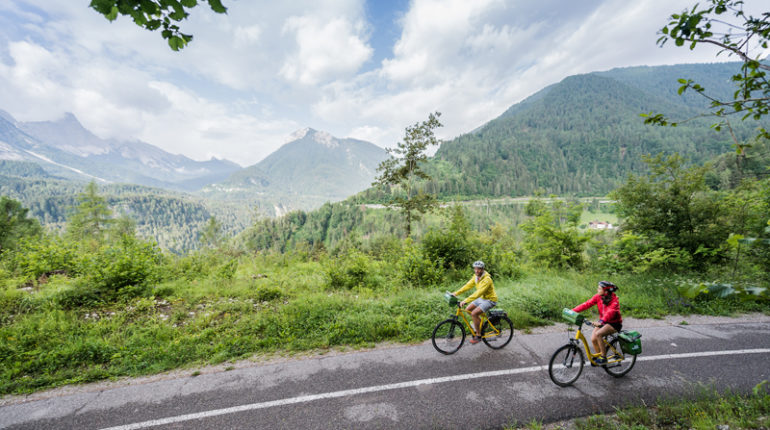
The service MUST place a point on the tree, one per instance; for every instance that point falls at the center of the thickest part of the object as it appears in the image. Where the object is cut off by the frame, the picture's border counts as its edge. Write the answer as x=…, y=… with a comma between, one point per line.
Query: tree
x=404, y=168
x=552, y=238
x=14, y=223
x=154, y=14
x=673, y=208
x=211, y=235
x=92, y=217
x=710, y=24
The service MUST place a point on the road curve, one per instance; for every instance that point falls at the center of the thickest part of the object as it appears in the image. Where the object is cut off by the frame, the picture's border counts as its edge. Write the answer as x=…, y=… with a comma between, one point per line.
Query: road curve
x=415, y=387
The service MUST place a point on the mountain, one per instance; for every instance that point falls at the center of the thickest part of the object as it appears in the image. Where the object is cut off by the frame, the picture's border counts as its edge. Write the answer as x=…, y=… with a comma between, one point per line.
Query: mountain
x=311, y=168
x=65, y=148
x=584, y=135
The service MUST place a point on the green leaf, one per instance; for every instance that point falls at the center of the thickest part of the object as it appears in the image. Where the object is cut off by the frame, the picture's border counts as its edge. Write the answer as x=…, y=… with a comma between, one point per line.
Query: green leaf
x=721, y=290
x=176, y=43
x=216, y=6
x=113, y=15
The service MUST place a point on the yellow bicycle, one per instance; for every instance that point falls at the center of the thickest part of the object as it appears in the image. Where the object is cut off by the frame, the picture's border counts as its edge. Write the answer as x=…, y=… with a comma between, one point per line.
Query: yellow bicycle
x=449, y=335
x=567, y=362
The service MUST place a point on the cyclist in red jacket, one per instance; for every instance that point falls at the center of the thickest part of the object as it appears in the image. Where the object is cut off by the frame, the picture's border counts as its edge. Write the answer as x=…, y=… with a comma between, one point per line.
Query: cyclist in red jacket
x=610, y=320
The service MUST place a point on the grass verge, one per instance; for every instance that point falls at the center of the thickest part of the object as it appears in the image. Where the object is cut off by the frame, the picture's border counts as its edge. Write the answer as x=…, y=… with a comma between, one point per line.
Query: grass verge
x=708, y=411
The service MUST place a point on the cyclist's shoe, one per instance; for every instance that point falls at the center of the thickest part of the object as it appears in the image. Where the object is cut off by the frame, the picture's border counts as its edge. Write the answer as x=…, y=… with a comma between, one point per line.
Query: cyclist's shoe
x=474, y=340
x=601, y=361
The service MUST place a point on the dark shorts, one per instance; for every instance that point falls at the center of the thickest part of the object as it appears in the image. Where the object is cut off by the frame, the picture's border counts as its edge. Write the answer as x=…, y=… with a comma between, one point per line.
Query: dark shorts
x=616, y=326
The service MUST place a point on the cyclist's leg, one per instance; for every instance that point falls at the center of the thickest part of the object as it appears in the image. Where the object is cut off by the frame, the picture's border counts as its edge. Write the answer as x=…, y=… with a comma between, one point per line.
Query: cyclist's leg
x=476, y=315
x=597, y=338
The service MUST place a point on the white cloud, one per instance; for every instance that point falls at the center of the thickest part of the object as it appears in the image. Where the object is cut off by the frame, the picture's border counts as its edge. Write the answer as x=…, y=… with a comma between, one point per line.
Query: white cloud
x=327, y=49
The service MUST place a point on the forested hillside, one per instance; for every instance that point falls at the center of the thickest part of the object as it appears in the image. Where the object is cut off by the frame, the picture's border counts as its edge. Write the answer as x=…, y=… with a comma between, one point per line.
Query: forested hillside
x=584, y=135
x=173, y=219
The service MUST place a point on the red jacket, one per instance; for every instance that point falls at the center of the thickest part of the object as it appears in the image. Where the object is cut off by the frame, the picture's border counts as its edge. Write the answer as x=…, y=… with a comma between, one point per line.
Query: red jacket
x=607, y=313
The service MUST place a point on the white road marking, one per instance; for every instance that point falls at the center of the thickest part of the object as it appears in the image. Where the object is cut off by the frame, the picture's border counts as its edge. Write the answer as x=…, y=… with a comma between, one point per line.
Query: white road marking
x=396, y=386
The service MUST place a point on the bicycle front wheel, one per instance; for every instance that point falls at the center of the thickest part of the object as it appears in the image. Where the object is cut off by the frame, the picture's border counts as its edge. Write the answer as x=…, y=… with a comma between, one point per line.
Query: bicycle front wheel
x=497, y=340
x=566, y=365
x=448, y=336
x=618, y=367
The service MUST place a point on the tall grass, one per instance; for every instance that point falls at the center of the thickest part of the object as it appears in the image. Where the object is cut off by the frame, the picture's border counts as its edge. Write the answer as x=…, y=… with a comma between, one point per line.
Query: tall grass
x=270, y=304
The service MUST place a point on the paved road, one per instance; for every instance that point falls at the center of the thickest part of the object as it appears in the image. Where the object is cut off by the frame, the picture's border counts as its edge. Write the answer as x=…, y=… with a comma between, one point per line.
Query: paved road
x=414, y=387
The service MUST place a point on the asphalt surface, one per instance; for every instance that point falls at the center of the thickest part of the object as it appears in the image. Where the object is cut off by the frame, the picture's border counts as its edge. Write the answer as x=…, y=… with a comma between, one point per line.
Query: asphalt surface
x=476, y=388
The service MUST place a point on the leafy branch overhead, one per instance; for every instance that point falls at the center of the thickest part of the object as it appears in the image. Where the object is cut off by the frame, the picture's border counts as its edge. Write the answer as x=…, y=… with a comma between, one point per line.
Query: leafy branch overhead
x=725, y=24
x=156, y=14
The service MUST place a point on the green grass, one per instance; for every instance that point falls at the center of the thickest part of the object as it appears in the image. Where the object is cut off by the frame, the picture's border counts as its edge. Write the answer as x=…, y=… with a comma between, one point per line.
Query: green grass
x=273, y=305
x=708, y=411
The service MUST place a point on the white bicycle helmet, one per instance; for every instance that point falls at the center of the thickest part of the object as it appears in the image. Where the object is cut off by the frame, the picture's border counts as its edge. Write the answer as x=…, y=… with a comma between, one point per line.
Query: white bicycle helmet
x=479, y=265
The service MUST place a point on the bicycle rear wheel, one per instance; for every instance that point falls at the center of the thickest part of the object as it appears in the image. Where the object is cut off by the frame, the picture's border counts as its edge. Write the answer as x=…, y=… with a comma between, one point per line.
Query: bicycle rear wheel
x=615, y=368
x=566, y=365
x=505, y=326
x=448, y=336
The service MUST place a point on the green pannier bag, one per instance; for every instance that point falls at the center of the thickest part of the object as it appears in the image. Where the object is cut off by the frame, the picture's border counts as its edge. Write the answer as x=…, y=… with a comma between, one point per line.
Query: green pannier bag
x=572, y=317
x=630, y=342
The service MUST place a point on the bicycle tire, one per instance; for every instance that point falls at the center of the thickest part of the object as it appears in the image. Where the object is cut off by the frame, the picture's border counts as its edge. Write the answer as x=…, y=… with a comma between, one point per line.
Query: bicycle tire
x=446, y=331
x=569, y=351
x=503, y=339
x=620, y=371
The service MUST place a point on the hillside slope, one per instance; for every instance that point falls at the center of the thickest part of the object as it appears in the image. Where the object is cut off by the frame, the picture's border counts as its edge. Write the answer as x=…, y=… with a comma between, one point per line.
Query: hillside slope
x=583, y=135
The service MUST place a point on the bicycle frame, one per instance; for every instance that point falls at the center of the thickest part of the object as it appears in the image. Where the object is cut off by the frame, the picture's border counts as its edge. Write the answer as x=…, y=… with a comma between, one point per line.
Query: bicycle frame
x=460, y=313
x=591, y=355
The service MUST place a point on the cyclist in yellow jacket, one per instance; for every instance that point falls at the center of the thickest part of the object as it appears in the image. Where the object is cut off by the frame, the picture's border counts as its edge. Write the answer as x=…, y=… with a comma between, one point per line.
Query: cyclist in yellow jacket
x=482, y=300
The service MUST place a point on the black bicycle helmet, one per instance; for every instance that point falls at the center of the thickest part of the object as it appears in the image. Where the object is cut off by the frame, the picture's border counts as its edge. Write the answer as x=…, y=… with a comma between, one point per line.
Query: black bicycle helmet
x=608, y=286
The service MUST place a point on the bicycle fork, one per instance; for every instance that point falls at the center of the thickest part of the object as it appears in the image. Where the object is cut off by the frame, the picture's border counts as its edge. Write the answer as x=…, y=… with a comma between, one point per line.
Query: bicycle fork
x=571, y=357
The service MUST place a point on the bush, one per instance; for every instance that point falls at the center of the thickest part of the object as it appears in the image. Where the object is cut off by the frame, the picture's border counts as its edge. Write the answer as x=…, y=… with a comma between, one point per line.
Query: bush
x=227, y=270
x=450, y=248
x=126, y=269
x=45, y=255
x=553, y=245
x=350, y=270
x=419, y=270
x=195, y=265
x=633, y=253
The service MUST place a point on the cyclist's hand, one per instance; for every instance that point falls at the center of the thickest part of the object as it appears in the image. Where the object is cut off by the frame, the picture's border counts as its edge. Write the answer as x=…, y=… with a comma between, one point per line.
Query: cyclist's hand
x=462, y=304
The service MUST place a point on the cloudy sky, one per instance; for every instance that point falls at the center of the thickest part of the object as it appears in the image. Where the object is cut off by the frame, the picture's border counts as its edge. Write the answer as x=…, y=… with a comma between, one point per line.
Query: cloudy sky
x=363, y=69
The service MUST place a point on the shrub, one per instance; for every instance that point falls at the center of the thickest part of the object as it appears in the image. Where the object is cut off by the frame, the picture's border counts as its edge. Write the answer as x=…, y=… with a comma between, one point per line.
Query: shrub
x=227, y=270
x=553, y=245
x=350, y=270
x=419, y=270
x=451, y=246
x=125, y=269
x=633, y=253
x=47, y=254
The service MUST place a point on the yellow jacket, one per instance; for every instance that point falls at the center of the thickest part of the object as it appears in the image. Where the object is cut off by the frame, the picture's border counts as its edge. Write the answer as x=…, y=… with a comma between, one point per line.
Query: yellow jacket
x=485, y=288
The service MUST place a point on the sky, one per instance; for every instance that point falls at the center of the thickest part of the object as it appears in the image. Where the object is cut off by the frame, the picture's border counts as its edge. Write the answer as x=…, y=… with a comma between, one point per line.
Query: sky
x=354, y=68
